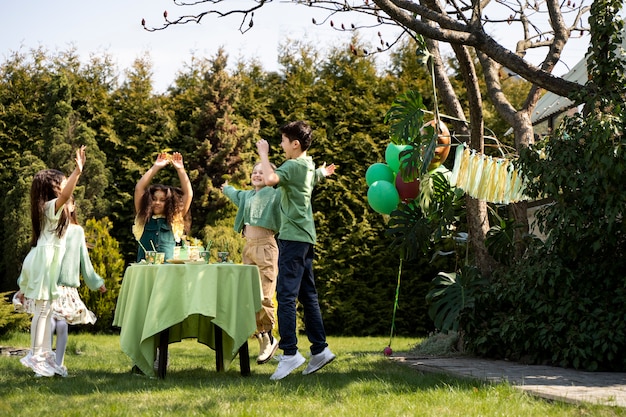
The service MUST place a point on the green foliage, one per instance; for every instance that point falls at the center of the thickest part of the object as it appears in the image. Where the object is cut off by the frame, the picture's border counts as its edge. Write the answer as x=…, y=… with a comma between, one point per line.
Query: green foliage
x=500, y=241
x=544, y=311
x=109, y=263
x=406, y=118
x=452, y=293
x=224, y=239
x=427, y=224
x=10, y=321
x=52, y=102
x=216, y=141
x=563, y=303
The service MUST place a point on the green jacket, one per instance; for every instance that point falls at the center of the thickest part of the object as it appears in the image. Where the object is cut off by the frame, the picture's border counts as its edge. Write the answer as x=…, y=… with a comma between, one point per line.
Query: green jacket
x=76, y=261
x=255, y=208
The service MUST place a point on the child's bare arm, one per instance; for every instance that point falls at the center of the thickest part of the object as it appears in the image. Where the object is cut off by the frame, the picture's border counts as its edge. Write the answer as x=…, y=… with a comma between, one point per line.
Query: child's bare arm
x=143, y=183
x=269, y=175
x=185, y=183
x=70, y=184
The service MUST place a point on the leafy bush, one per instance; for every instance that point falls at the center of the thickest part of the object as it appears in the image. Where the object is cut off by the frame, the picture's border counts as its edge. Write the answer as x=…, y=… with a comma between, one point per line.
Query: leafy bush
x=563, y=304
x=109, y=264
x=10, y=321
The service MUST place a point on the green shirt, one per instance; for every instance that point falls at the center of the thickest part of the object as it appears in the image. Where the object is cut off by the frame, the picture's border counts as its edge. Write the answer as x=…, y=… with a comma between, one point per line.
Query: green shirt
x=297, y=179
x=256, y=208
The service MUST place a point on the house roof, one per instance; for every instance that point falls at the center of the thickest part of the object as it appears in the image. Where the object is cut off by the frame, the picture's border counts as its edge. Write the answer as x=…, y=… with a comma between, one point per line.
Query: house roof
x=550, y=103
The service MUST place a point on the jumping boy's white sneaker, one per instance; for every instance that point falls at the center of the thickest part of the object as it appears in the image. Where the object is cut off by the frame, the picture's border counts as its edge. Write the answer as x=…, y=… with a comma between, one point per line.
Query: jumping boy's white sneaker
x=318, y=361
x=286, y=364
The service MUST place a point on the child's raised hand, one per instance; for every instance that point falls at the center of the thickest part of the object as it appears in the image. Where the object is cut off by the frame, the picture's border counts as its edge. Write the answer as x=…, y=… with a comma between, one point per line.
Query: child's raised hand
x=328, y=170
x=162, y=160
x=224, y=185
x=80, y=158
x=177, y=160
x=263, y=147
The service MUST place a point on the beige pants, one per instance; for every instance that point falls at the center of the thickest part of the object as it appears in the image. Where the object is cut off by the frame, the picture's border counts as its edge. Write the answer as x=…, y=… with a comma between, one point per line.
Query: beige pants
x=263, y=252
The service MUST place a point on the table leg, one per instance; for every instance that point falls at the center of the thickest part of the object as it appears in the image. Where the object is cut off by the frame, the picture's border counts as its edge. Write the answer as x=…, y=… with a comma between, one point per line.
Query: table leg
x=164, y=337
x=244, y=359
x=244, y=354
x=219, y=350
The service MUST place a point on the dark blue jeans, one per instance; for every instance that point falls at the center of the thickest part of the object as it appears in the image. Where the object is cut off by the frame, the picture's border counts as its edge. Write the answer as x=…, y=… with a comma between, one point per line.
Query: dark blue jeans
x=296, y=282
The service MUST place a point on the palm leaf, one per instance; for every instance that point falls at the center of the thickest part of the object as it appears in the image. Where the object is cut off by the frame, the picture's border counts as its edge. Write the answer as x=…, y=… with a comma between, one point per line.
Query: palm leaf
x=451, y=294
x=406, y=117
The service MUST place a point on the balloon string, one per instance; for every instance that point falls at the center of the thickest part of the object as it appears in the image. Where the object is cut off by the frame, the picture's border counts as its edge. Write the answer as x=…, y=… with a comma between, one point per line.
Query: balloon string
x=395, y=304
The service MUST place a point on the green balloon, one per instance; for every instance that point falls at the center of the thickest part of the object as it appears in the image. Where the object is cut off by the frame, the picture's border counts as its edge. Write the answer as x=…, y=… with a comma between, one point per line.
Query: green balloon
x=392, y=156
x=383, y=197
x=378, y=172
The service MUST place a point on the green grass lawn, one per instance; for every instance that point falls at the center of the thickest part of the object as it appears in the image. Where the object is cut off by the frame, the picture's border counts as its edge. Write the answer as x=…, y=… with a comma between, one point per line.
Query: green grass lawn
x=360, y=382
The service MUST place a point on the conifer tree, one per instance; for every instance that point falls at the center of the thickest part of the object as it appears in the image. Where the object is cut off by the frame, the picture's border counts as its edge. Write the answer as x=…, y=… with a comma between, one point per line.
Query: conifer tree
x=214, y=139
x=143, y=128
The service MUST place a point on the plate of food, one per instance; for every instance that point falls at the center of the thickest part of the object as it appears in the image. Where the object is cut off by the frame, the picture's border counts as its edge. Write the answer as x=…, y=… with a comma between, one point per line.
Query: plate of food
x=175, y=261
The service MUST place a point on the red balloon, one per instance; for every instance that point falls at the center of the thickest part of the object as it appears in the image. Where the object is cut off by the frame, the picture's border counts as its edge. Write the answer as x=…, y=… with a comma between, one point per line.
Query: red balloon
x=407, y=190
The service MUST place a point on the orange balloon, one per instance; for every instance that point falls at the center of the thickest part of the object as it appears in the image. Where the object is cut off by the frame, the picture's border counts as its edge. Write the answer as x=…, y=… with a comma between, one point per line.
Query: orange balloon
x=441, y=152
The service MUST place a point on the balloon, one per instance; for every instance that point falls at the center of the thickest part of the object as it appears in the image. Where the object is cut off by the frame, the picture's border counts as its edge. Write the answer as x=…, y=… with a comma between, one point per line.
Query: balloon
x=392, y=155
x=383, y=197
x=378, y=172
x=407, y=190
x=441, y=152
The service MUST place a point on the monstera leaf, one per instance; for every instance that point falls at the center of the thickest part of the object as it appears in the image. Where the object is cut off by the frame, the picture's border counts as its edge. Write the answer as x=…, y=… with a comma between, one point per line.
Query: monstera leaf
x=406, y=117
x=452, y=293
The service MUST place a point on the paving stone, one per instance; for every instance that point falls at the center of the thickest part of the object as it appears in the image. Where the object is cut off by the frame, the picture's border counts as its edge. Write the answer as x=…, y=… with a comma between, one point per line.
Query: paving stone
x=554, y=383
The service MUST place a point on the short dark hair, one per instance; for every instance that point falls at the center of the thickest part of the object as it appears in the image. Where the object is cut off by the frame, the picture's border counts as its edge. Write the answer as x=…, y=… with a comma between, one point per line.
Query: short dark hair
x=300, y=131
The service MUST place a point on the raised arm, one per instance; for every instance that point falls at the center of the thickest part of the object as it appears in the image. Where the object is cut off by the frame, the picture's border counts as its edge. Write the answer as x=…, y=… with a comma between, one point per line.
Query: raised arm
x=269, y=175
x=185, y=183
x=145, y=180
x=70, y=184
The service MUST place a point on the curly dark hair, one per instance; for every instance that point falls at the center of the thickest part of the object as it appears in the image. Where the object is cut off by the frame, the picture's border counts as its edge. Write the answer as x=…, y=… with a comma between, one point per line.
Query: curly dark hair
x=173, y=210
x=46, y=186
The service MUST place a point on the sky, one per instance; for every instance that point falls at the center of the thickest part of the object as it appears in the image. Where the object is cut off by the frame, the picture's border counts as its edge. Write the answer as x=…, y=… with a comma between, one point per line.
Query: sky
x=114, y=27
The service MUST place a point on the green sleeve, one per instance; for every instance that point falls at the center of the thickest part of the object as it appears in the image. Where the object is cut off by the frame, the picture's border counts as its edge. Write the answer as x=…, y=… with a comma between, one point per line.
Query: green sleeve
x=233, y=194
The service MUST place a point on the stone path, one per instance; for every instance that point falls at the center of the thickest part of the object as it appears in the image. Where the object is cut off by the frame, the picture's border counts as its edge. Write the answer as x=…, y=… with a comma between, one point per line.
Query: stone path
x=569, y=385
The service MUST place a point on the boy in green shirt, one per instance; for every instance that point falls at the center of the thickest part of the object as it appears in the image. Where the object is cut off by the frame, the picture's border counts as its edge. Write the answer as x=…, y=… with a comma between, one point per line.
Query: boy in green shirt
x=296, y=178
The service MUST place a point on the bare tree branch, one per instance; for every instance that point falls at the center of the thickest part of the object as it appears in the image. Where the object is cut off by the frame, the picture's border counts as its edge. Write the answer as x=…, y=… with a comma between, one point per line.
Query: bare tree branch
x=464, y=23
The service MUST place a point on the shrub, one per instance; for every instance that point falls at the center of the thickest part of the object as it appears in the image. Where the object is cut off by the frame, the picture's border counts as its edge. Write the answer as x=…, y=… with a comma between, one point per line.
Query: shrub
x=10, y=321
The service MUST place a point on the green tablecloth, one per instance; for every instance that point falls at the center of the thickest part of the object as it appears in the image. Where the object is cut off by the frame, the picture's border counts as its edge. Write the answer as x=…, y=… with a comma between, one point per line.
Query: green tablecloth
x=186, y=299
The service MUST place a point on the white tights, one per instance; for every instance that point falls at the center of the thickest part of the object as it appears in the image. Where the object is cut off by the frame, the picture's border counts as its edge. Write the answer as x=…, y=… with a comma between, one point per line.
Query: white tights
x=61, y=328
x=40, y=337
